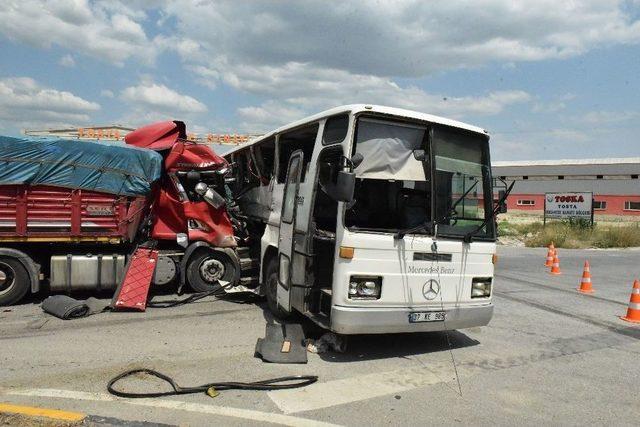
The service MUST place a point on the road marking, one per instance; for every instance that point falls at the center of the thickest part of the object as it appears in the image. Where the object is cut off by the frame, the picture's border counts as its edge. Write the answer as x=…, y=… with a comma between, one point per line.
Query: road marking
x=368, y=386
x=225, y=411
x=31, y=411
x=354, y=389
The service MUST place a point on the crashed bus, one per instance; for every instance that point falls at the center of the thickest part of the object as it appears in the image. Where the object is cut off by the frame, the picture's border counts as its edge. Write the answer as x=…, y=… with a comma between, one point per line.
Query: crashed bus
x=369, y=219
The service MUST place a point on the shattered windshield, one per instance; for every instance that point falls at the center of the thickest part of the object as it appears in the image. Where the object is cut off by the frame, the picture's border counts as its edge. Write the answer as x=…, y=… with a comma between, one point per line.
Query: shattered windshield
x=461, y=181
x=393, y=188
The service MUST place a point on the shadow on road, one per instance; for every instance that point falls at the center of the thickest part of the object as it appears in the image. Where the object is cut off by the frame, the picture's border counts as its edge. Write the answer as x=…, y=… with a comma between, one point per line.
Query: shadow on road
x=374, y=347
x=382, y=346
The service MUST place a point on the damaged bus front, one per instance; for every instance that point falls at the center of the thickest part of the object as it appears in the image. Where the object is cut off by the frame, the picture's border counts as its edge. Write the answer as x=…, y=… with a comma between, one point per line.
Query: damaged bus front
x=372, y=219
x=422, y=241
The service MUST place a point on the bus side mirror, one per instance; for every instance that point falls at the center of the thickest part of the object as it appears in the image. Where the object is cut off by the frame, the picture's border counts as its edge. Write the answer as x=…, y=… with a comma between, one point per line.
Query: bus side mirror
x=356, y=160
x=341, y=188
x=503, y=206
x=420, y=155
x=344, y=187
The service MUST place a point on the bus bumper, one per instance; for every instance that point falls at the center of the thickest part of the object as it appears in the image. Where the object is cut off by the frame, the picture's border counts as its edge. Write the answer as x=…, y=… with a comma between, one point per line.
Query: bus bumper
x=370, y=320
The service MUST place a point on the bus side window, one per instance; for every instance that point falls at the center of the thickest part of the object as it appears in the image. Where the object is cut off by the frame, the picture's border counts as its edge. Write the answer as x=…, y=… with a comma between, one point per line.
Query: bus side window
x=245, y=174
x=335, y=129
x=300, y=139
x=264, y=154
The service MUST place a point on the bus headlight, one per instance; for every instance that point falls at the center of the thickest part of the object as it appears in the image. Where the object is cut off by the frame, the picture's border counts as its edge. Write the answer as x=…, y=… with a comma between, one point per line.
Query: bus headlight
x=361, y=287
x=481, y=287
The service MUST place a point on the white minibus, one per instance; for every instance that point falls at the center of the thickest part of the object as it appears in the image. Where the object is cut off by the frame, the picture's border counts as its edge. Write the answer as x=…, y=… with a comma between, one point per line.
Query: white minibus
x=370, y=219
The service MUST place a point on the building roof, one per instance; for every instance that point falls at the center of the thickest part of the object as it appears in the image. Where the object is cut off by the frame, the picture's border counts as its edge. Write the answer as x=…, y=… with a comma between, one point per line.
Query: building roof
x=74, y=129
x=569, y=162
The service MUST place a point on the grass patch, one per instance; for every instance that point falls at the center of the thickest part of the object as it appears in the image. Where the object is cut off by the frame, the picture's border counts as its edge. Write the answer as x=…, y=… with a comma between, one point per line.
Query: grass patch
x=573, y=235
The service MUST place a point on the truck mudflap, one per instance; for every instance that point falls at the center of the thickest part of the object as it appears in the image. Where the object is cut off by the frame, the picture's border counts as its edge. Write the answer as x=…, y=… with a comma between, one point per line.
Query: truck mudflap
x=134, y=289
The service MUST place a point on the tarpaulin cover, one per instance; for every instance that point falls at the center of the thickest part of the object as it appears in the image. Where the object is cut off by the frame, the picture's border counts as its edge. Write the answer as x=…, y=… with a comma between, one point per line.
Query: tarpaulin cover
x=112, y=168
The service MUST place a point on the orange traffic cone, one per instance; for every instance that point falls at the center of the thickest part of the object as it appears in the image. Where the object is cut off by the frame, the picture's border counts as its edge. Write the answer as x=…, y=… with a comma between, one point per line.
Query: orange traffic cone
x=633, y=312
x=585, y=283
x=550, y=253
x=555, y=268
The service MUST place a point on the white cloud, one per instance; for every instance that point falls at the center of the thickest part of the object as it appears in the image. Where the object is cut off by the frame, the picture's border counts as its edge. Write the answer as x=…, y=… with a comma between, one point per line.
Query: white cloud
x=151, y=100
x=296, y=59
x=101, y=29
x=67, y=61
x=300, y=59
x=297, y=89
x=267, y=116
x=25, y=103
x=106, y=93
x=606, y=118
x=555, y=105
x=399, y=38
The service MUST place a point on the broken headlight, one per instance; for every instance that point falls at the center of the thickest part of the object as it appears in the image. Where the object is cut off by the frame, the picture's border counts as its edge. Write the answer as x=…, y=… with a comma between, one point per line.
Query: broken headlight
x=365, y=287
x=481, y=287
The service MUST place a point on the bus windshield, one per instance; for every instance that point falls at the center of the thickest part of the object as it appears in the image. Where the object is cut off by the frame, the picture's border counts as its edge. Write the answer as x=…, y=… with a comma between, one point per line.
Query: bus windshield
x=395, y=184
x=462, y=179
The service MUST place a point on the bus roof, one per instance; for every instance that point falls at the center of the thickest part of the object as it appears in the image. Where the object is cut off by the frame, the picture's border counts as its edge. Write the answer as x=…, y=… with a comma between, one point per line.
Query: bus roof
x=369, y=108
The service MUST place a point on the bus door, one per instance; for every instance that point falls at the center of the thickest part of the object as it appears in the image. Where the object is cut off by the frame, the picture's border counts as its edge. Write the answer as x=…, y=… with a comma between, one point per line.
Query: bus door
x=287, y=229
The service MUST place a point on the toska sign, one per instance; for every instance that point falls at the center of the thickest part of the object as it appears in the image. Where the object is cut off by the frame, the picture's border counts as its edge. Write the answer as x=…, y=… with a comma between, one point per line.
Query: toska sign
x=568, y=205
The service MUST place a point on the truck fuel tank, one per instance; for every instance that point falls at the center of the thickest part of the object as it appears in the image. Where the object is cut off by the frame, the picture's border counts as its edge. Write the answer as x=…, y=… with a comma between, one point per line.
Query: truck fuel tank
x=90, y=271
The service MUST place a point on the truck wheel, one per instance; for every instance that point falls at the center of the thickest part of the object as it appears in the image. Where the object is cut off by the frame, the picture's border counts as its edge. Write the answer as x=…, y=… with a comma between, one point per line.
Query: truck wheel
x=14, y=281
x=207, y=267
x=270, y=289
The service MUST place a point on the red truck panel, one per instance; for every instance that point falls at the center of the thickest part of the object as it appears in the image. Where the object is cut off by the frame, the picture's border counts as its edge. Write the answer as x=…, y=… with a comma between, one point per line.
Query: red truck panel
x=132, y=293
x=45, y=213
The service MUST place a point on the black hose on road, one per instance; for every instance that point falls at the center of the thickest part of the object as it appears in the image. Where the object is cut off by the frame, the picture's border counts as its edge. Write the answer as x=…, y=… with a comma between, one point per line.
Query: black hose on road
x=212, y=389
x=191, y=298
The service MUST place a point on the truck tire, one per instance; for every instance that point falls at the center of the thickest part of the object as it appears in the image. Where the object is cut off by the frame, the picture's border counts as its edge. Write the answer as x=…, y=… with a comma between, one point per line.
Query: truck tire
x=270, y=289
x=207, y=267
x=14, y=281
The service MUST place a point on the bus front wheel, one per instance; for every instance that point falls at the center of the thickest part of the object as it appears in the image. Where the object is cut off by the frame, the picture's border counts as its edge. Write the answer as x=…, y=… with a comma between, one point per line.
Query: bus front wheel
x=270, y=290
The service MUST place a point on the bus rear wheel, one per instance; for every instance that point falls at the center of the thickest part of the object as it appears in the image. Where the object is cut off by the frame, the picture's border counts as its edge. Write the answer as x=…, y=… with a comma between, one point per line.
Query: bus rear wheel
x=14, y=281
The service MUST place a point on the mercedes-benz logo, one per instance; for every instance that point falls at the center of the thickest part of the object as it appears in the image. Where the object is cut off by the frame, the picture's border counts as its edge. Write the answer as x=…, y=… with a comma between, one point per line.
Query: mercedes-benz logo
x=431, y=289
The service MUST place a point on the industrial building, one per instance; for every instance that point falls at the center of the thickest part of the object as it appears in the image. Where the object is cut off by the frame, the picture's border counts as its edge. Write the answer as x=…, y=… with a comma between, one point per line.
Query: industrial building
x=108, y=133
x=219, y=142
x=613, y=182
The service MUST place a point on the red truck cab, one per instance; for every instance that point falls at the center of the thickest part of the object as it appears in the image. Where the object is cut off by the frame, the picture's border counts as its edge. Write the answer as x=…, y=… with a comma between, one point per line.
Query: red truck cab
x=189, y=203
x=72, y=212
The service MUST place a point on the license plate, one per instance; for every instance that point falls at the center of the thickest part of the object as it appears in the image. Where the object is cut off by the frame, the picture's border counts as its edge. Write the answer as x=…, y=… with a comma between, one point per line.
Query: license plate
x=427, y=316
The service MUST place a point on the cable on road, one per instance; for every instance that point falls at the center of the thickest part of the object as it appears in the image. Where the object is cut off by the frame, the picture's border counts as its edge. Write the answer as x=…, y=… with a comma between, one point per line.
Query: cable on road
x=216, y=292
x=211, y=389
x=191, y=298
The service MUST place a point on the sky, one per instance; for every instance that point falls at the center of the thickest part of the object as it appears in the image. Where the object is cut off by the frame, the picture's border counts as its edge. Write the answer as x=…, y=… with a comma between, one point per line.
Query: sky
x=548, y=79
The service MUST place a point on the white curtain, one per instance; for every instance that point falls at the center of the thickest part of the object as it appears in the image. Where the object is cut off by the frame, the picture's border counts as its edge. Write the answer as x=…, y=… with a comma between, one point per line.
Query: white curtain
x=387, y=149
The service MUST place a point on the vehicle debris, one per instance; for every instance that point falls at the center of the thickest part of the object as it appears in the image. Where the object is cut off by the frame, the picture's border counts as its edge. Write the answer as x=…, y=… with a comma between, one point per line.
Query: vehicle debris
x=327, y=342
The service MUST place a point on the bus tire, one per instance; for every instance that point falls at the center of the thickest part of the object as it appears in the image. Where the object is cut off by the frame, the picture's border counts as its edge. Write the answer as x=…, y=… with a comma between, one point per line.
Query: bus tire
x=207, y=267
x=270, y=289
x=14, y=281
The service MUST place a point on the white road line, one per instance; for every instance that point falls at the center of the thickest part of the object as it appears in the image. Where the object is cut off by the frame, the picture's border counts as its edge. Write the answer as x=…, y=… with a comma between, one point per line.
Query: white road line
x=368, y=386
x=362, y=387
x=225, y=411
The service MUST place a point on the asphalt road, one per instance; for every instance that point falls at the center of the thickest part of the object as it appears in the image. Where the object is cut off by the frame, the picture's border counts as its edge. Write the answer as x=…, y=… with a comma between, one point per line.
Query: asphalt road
x=550, y=356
